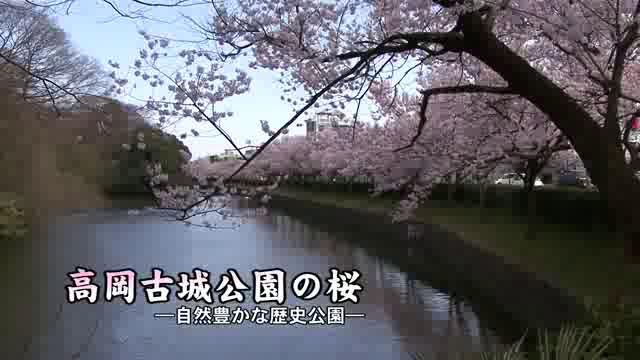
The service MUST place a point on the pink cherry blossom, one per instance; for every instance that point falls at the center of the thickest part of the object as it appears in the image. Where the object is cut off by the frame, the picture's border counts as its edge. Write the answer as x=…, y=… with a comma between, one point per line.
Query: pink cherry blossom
x=505, y=80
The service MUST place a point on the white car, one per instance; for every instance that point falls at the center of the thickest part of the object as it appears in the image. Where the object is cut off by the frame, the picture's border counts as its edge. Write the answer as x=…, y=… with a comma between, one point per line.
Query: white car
x=515, y=179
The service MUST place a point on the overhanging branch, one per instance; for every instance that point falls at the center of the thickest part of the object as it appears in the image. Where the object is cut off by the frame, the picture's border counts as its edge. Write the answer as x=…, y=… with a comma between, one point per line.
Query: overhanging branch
x=450, y=41
x=357, y=67
x=426, y=95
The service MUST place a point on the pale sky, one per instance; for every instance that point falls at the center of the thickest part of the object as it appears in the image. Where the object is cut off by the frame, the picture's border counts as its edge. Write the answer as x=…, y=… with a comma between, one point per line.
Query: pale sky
x=119, y=41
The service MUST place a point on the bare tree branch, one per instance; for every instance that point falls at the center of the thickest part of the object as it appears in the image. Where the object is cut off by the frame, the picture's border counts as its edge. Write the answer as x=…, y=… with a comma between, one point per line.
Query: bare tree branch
x=44, y=80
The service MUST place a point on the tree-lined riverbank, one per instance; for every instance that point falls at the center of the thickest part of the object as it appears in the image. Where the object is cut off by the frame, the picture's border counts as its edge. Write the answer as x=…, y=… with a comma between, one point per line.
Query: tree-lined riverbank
x=592, y=274
x=587, y=264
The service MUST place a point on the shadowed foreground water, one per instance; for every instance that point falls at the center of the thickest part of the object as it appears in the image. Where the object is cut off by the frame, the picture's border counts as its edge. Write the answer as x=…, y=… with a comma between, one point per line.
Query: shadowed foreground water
x=402, y=315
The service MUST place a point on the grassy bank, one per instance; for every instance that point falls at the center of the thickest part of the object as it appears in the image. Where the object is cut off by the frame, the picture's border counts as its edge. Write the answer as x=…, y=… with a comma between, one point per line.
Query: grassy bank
x=588, y=264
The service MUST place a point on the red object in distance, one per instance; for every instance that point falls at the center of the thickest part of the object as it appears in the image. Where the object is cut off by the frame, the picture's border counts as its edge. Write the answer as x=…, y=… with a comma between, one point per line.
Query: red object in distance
x=635, y=122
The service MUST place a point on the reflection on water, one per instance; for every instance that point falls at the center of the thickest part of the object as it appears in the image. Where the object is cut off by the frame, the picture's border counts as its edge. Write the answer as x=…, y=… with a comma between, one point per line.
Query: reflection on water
x=424, y=319
x=403, y=315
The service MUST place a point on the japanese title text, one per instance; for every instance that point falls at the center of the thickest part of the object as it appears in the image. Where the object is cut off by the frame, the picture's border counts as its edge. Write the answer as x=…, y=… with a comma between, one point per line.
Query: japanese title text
x=268, y=286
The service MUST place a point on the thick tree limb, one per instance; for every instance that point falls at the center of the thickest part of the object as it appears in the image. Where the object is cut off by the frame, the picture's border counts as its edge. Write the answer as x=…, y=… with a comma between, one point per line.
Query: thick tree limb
x=612, y=126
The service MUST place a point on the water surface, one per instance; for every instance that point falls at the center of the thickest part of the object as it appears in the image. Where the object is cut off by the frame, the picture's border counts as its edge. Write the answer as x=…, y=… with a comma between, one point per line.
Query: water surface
x=402, y=315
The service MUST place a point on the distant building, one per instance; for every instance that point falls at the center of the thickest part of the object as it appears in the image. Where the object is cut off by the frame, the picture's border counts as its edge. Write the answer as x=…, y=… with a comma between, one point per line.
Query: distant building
x=249, y=152
x=325, y=120
x=229, y=154
x=311, y=128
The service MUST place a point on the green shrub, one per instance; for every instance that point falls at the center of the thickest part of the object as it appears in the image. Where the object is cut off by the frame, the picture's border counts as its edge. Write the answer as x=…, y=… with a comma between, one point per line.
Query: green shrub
x=129, y=173
x=13, y=224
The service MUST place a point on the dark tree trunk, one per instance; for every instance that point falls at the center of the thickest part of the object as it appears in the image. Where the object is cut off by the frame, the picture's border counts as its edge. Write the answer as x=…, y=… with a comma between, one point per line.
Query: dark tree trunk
x=483, y=194
x=451, y=188
x=350, y=184
x=531, y=173
x=602, y=155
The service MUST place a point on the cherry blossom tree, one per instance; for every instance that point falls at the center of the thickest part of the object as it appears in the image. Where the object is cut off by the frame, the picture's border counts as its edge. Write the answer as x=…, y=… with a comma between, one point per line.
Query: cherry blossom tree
x=572, y=60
